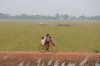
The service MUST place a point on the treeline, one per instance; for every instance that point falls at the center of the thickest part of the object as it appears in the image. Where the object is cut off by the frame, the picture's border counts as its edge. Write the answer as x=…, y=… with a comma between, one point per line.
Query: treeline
x=44, y=17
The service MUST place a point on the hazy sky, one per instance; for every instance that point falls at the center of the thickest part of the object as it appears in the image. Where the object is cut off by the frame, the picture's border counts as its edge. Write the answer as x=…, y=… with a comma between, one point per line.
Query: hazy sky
x=51, y=7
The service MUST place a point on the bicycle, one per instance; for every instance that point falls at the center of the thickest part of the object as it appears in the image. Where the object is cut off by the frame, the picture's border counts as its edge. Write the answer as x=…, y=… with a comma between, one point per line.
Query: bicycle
x=52, y=48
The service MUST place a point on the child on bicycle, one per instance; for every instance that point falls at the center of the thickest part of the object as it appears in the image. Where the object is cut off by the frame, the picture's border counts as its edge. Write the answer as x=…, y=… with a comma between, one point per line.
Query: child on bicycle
x=42, y=41
x=52, y=42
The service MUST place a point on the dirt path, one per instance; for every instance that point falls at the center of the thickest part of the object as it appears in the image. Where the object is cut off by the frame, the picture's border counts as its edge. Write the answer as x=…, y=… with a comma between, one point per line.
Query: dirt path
x=22, y=58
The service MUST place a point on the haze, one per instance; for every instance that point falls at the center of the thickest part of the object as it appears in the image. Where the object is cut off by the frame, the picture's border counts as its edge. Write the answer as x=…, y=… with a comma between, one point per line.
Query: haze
x=51, y=7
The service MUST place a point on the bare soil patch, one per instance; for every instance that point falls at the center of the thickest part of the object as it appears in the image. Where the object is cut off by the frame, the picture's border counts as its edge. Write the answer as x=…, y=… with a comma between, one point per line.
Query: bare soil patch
x=64, y=25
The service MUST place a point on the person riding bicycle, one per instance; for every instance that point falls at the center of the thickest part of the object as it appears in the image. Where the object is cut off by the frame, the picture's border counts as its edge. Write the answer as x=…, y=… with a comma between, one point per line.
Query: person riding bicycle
x=47, y=41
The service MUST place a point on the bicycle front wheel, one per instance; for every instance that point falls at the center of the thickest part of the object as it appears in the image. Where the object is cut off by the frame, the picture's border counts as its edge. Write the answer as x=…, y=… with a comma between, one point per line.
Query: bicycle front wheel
x=42, y=49
x=54, y=49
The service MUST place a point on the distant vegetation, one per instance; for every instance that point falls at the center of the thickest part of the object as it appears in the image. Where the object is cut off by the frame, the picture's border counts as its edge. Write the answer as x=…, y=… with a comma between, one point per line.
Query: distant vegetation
x=44, y=17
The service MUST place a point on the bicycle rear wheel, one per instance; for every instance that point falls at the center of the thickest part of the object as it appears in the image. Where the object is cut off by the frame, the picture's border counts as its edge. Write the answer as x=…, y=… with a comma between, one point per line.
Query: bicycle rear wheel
x=54, y=49
x=42, y=49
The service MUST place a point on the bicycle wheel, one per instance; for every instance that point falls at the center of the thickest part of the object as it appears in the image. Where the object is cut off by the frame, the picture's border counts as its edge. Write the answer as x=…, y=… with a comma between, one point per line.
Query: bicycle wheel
x=42, y=49
x=54, y=49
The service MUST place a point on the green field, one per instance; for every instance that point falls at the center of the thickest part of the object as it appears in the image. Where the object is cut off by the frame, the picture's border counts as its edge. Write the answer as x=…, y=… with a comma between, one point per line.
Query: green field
x=70, y=36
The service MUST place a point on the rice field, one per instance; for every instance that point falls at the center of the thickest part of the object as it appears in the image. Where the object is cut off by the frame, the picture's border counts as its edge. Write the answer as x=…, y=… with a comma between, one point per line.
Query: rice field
x=70, y=36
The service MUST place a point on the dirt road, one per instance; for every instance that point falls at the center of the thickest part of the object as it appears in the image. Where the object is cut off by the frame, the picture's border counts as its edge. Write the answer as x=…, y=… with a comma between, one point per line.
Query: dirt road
x=26, y=58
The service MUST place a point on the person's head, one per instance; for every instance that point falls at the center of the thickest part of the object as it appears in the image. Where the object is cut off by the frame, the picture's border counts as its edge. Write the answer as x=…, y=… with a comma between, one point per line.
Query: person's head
x=47, y=35
x=42, y=38
x=50, y=37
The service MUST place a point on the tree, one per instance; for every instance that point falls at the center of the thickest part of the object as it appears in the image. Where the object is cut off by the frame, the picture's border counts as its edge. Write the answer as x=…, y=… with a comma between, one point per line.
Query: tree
x=65, y=17
x=57, y=16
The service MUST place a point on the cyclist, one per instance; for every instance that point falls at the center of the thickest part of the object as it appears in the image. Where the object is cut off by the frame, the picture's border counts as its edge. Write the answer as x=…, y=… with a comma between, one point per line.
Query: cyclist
x=47, y=41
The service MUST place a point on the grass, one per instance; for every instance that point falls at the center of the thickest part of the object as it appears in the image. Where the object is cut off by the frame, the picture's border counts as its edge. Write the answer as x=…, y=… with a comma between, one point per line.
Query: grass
x=70, y=36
